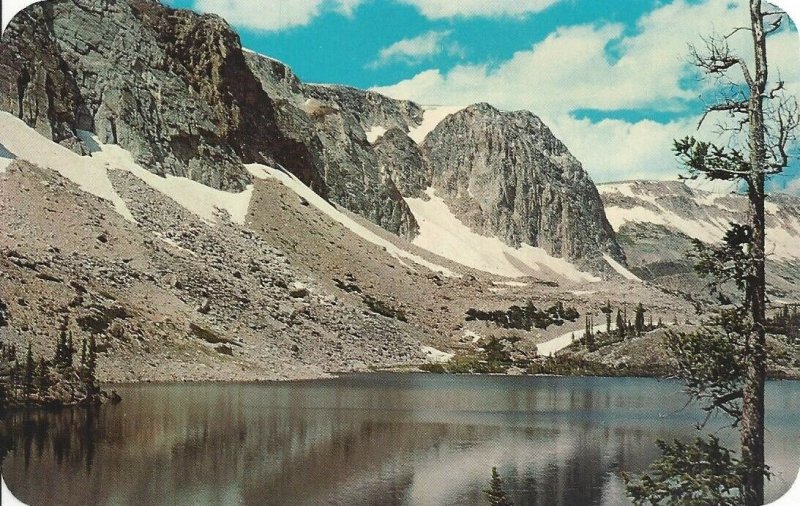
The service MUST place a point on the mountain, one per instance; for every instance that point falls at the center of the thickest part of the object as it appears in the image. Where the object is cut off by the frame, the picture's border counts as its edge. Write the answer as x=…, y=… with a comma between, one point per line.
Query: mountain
x=509, y=176
x=207, y=215
x=656, y=222
x=176, y=90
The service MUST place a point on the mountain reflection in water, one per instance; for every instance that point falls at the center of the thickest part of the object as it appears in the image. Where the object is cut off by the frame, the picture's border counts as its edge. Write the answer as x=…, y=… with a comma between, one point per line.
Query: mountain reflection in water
x=368, y=439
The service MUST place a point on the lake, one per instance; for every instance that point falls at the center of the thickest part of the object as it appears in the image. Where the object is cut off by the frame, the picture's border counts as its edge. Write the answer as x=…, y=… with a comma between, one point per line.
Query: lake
x=370, y=439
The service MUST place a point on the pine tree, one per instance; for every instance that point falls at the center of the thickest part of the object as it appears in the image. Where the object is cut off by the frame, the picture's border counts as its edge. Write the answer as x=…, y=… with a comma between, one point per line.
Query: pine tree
x=91, y=366
x=639, y=321
x=70, y=351
x=620, y=324
x=762, y=121
x=14, y=378
x=495, y=493
x=43, y=376
x=30, y=367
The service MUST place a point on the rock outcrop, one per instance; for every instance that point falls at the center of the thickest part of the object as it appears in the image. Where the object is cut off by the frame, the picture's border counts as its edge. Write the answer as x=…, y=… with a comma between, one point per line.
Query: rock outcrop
x=168, y=85
x=401, y=159
x=510, y=177
x=330, y=120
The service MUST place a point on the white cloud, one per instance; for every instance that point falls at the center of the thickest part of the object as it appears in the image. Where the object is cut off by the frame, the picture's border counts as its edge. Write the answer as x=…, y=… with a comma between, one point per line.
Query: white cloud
x=438, y=9
x=571, y=69
x=273, y=15
x=417, y=49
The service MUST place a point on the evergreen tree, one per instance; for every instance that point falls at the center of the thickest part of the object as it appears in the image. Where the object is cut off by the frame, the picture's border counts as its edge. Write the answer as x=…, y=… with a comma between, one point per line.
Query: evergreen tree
x=30, y=367
x=43, y=376
x=83, y=358
x=639, y=319
x=762, y=122
x=70, y=351
x=620, y=324
x=495, y=493
x=14, y=379
x=91, y=366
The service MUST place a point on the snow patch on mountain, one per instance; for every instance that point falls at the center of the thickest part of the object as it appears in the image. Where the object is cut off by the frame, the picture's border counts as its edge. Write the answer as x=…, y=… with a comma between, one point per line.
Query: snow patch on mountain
x=431, y=117
x=621, y=270
x=435, y=356
x=202, y=200
x=89, y=174
x=549, y=348
x=291, y=182
x=696, y=213
x=442, y=233
x=375, y=133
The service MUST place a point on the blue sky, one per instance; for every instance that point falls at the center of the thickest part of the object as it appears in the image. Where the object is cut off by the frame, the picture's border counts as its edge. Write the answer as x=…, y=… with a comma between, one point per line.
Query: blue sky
x=611, y=78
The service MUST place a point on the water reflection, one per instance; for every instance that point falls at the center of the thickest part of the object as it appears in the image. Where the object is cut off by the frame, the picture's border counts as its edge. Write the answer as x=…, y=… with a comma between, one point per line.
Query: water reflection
x=417, y=439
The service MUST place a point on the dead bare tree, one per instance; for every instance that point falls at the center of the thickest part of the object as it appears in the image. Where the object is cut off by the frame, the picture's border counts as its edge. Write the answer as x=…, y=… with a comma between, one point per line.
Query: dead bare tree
x=762, y=119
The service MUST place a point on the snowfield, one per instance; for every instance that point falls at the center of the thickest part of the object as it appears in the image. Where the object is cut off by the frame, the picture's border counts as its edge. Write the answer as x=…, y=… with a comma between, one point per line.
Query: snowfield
x=621, y=270
x=291, y=182
x=710, y=219
x=89, y=174
x=435, y=356
x=442, y=233
x=549, y=348
x=431, y=117
x=375, y=133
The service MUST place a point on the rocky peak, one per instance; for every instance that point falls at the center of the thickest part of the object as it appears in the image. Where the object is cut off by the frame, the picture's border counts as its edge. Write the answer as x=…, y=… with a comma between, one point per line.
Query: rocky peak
x=329, y=120
x=369, y=108
x=509, y=176
x=171, y=86
x=401, y=159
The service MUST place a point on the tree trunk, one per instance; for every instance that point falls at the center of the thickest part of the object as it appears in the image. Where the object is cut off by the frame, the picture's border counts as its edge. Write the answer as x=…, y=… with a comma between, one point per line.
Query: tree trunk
x=752, y=429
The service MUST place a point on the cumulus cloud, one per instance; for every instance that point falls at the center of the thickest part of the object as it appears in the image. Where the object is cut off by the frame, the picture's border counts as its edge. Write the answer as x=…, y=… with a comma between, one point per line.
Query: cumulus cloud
x=417, y=49
x=572, y=69
x=439, y=9
x=273, y=15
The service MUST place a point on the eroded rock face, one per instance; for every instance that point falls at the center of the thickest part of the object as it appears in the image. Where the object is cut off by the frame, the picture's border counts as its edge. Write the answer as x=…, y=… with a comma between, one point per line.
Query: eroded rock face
x=508, y=176
x=369, y=109
x=401, y=159
x=168, y=85
x=177, y=90
x=335, y=134
x=35, y=81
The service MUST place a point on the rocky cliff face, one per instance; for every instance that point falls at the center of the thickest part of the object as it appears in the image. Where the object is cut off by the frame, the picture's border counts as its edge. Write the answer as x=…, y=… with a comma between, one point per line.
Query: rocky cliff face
x=509, y=176
x=170, y=86
x=176, y=90
x=331, y=121
x=401, y=159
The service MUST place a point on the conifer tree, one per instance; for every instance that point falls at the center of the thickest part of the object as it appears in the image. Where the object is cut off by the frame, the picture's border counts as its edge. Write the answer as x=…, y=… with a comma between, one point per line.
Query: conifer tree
x=91, y=365
x=30, y=367
x=70, y=351
x=14, y=378
x=762, y=122
x=495, y=493
x=43, y=377
x=620, y=324
x=639, y=319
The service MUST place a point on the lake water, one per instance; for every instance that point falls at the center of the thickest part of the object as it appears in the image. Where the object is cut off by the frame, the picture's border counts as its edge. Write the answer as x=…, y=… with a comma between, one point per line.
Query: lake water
x=370, y=439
